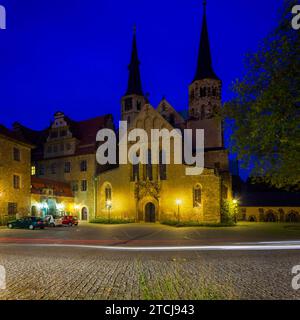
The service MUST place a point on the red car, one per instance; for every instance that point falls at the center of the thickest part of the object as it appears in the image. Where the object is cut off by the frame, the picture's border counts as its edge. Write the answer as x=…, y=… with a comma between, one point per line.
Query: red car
x=70, y=221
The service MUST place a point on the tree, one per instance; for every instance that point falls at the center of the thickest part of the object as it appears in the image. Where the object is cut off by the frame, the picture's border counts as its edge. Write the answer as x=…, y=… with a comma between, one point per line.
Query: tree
x=264, y=113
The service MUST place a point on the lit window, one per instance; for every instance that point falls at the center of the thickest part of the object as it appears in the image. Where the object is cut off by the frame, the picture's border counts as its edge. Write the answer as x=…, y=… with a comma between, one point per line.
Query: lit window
x=197, y=196
x=33, y=170
x=108, y=193
x=16, y=182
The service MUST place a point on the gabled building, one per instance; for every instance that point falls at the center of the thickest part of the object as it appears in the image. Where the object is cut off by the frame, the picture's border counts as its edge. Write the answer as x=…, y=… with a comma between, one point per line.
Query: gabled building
x=66, y=152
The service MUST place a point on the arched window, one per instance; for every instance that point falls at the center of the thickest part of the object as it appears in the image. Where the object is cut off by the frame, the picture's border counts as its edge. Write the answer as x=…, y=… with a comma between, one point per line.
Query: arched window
x=148, y=168
x=162, y=165
x=197, y=196
x=203, y=92
x=135, y=172
x=108, y=193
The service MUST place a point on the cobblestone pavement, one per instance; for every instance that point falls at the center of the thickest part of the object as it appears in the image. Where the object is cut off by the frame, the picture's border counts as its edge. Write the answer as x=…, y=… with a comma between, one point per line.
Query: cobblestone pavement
x=82, y=273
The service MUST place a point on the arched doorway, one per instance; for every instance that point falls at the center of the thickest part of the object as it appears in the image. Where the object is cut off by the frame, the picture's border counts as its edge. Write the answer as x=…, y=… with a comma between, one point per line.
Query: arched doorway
x=271, y=217
x=84, y=214
x=150, y=212
x=293, y=216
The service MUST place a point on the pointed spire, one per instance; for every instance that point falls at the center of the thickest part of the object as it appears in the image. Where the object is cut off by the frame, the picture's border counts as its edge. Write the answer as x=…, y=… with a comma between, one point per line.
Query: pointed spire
x=134, y=81
x=204, y=66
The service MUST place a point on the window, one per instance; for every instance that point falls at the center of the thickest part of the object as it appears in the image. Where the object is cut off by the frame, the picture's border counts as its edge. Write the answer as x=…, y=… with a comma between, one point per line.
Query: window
x=16, y=182
x=203, y=92
x=49, y=149
x=135, y=172
x=83, y=185
x=12, y=208
x=148, y=168
x=197, y=196
x=128, y=104
x=107, y=193
x=138, y=105
x=41, y=170
x=67, y=167
x=62, y=147
x=74, y=186
x=33, y=170
x=55, y=148
x=53, y=168
x=83, y=166
x=69, y=146
x=162, y=166
x=17, y=154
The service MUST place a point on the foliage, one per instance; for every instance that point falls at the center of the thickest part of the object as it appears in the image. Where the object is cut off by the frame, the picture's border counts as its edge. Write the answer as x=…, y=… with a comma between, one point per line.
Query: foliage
x=174, y=223
x=229, y=212
x=264, y=113
x=111, y=221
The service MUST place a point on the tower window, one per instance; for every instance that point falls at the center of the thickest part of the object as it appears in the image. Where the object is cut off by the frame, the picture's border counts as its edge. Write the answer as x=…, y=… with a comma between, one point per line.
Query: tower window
x=138, y=105
x=128, y=104
x=203, y=92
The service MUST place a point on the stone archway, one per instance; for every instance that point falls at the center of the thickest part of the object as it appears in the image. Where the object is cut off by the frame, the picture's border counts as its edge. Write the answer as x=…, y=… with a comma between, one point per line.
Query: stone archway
x=271, y=216
x=150, y=212
x=84, y=214
x=293, y=216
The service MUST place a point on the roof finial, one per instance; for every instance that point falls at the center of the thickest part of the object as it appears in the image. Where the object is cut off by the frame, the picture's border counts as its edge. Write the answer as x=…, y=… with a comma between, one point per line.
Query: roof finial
x=134, y=29
x=204, y=4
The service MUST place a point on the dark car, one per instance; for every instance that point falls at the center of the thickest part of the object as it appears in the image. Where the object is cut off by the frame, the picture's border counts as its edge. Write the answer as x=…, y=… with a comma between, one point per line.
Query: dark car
x=27, y=223
x=70, y=221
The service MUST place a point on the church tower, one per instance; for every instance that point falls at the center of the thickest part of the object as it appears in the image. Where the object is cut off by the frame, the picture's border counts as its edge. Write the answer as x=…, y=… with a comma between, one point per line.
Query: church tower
x=205, y=93
x=133, y=100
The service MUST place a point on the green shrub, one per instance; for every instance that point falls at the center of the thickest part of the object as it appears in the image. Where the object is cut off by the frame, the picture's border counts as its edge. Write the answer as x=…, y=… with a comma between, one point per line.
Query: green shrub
x=229, y=212
x=111, y=221
x=174, y=223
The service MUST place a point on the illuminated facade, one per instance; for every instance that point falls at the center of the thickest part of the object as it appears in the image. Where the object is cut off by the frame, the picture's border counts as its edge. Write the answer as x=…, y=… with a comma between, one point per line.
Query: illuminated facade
x=153, y=193
x=14, y=175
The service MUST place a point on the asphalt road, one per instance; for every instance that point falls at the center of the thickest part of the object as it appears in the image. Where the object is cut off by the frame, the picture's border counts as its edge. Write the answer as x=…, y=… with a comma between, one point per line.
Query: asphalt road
x=38, y=268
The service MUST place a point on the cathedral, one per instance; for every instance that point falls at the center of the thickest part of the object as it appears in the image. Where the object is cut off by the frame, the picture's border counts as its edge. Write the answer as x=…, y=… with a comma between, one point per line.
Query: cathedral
x=161, y=193
x=66, y=178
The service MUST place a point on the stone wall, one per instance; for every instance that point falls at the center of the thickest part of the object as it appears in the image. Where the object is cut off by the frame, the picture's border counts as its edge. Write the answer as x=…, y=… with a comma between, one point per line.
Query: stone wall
x=8, y=168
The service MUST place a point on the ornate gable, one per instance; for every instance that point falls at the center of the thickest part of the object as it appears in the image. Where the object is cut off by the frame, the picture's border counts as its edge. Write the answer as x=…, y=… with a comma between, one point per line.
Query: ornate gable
x=169, y=113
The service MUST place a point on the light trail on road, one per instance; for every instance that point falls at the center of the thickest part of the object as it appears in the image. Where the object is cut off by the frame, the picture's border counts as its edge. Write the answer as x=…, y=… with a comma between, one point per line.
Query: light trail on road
x=259, y=246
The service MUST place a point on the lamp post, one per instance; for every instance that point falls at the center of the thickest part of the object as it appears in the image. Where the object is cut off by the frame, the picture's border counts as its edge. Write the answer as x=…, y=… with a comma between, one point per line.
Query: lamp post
x=108, y=206
x=178, y=202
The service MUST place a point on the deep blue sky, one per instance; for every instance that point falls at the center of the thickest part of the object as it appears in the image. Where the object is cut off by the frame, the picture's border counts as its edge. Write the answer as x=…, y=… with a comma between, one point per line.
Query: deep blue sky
x=72, y=55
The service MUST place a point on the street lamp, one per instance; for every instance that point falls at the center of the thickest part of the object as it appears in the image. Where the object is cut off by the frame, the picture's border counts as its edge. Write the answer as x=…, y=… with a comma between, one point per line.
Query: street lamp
x=108, y=206
x=178, y=202
x=235, y=201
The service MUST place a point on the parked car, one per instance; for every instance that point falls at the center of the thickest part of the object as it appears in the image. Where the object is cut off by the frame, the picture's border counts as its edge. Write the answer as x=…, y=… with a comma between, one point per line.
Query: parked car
x=70, y=221
x=53, y=221
x=27, y=223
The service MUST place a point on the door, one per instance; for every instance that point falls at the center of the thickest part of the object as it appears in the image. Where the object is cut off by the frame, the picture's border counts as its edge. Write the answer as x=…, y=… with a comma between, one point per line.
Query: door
x=150, y=212
x=84, y=214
